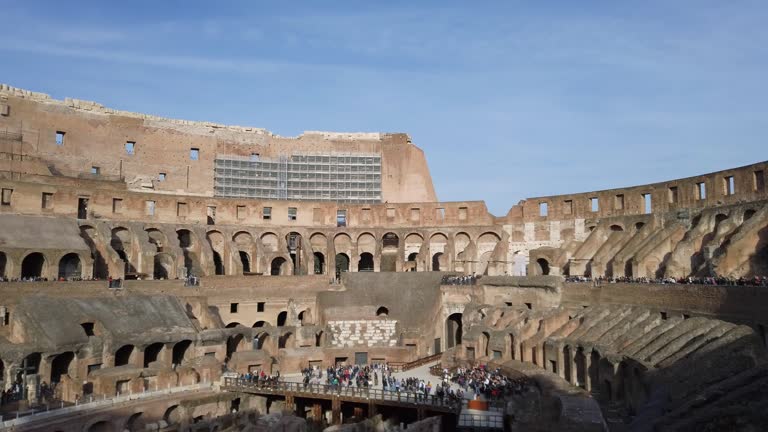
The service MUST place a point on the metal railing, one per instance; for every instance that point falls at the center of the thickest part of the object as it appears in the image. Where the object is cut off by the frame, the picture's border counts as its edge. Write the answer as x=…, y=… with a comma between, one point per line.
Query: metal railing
x=33, y=416
x=343, y=391
x=480, y=421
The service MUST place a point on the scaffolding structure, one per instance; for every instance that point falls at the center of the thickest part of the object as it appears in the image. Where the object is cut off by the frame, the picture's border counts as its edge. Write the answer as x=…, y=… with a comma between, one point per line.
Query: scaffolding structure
x=339, y=177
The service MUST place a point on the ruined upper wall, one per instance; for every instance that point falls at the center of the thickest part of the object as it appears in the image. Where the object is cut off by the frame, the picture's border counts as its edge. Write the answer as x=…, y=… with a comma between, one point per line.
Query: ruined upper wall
x=95, y=136
x=749, y=184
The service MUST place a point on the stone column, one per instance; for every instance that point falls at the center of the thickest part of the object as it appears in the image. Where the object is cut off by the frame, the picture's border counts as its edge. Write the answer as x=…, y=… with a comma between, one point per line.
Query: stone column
x=574, y=367
x=587, y=374
x=560, y=363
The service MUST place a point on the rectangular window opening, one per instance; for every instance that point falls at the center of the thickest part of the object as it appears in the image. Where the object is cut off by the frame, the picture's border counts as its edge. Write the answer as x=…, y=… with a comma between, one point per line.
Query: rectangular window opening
x=161, y=177
x=341, y=218
x=266, y=213
x=6, y=198
x=292, y=211
x=594, y=204
x=130, y=147
x=701, y=191
x=390, y=213
x=758, y=181
x=60, y=138
x=150, y=207
x=95, y=170
x=117, y=205
x=647, y=205
x=233, y=307
x=241, y=212
x=543, y=209
x=673, y=196
x=194, y=154
x=618, y=202
x=729, y=186
x=47, y=201
x=462, y=213
x=568, y=207
x=260, y=306
x=415, y=214
x=181, y=209
x=440, y=214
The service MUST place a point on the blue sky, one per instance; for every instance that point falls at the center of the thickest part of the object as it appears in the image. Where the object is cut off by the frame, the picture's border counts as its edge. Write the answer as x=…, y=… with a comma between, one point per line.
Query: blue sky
x=508, y=99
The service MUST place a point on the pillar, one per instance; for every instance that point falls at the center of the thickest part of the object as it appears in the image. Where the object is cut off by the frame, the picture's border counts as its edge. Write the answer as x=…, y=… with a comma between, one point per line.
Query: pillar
x=587, y=374
x=560, y=363
x=574, y=367
x=335, y=410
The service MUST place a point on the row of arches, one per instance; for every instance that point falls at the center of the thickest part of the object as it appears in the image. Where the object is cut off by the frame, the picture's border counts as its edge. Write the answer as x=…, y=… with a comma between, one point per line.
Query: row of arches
x=34, y=265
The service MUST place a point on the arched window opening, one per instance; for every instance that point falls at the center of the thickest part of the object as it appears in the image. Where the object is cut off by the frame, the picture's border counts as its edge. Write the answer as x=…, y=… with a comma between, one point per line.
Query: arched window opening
x=281, y=318
x=233, y=342
x=218, y=264
x=748, y=214
x=134, y=423
x=3, y=263
x=245, y=261
x=260, y=324
x=485, y=342
x=382, y=312
x=152, y=353
x=89, y=328
x=285, y=340
x=616, y=228
x=366, y=262
x=639, y=225
x=60, y=366
x=233, y=324
x=543, y=266
x=302, y=315
x=260, y=340
x=172, y=415
x=436, y=261
x=69, y=267
x=185, y=238
x=319, y=263
x=180, y=351
x=163, y=266
x=32, y=266
x=342, y=264
x=453, y=330
x=319, y=339
x=412, y=259
x=101, y=426
x=277, y=266
x=123, y=355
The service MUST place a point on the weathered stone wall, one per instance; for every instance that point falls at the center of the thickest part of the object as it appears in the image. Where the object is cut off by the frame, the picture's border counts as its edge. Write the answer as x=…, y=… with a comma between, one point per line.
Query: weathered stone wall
x=367, y=333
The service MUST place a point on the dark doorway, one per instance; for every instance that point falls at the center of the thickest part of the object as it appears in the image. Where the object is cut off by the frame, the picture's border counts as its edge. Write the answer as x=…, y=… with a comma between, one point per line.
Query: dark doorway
x=277, y=266
x=123, y=355
x=32, y=266
x=246, y=262
x=366, y=262
x=543, y=266
x=218, y=263
x=82, y=208
x=281, y=318
x=319, y=263
x=342, y=264
x=436, y=261
x=3, y=261
x=180, y=351
x=152, y=353
x=412, y=258
x=453, y=330
x=69, y=267
x=60, y=366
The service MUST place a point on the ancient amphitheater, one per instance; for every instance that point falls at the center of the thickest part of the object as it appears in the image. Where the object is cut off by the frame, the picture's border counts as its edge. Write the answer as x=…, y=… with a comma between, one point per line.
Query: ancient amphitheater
x=146, y=263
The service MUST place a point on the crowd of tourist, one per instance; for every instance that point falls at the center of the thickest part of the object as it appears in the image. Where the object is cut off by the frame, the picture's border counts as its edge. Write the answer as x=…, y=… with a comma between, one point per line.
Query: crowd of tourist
x=491, y=384
x=15, y=392
x=260, y=378
x=761, y=281
x=460, y=280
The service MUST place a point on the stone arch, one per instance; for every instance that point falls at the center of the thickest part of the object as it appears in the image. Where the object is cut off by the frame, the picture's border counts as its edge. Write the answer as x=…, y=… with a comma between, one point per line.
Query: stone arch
x=190, y=248
x=152, y=353
x=216, y=241
x=366, y=242
x=101, y=426
x=260, y=340
x=122, y=243
x=639, y=226
x=125, y=355
x=285, y=340
x=319, y=264
x=172, y=415
x=390, y=244
x=269, y=242
x=305, y=317
x=243, y=239
x=486, y=243
x=282, y=317
x=461, y=244
x=542, y=267
x=413, y=243
x=748, y=214
x=4, y=265
x=99, y=268
x=413, y=258
x=156, y=238
x=295, y=244
x=278, y=266
x=342, y=243
x=366, y=262
x=261, y=324
x=34, y=265
x=454, y=330
x=134, y=423
x=485, y=343
x=179, y=352
x=436, y=259
x=342, y=264
x=233, y=344
x=62, y=365
x=245, y=261
x=438, y=247
x=616, y=228
x=163, y=266
x=382, y=311
x=70, y=267
x=233, y=324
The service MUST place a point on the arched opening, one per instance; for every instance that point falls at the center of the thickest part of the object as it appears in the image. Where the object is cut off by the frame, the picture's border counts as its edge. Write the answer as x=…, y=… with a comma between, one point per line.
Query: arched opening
x=436, y=261
x=245, y=261
x=382, y=312
x=581, y=370
x=453, y=330
x=390, y=246
x=342, y=264
x=163, y=266
x=233, y=342
x=33, y=265
x=101, y=426
x=485, y=342
x=218, y=264
x=233, y=324
x=628, y=269
x=2, y=369
x=260, y=340
x=567, y=363
x=543, y=266
x=281, y=318
x=180, y=351
x=639, y=225
x=60, y=366
x=319, y=263
x=152, y=353
x=295, y=247
x=121, y=243
x=319, y=338
x=412, y=259
x=277, y=266
x=260, y=324
x=305, y=315
x=3, y=263
x=366, y=262
x=616, y=228
x=123, y=355
x=285, y=340
x=719, y=218
x=172, y=415
x=186, y=242
x=134, y=423
x=69, y=267
x=593, y=374
x=512, y=346
x=748, y=214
